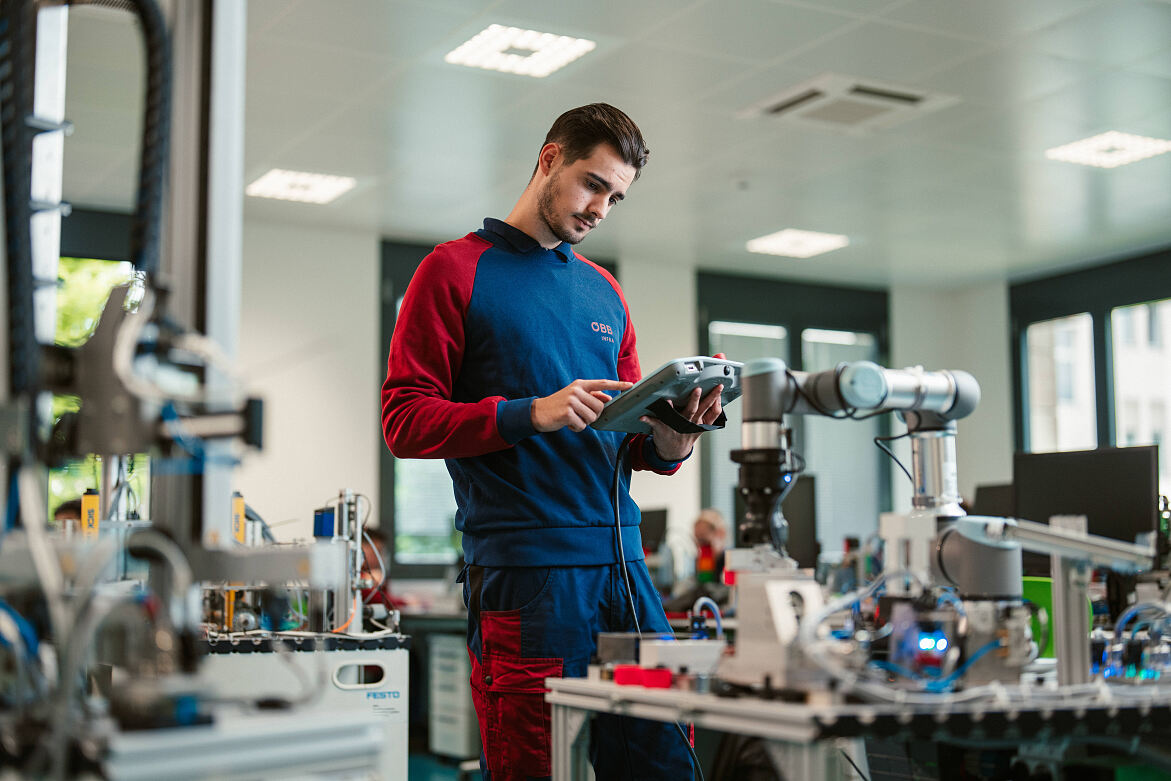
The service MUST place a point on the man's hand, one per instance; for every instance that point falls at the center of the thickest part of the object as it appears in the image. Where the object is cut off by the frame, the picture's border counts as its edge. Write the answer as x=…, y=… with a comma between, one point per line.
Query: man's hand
x=670, y=445
x=576, y=405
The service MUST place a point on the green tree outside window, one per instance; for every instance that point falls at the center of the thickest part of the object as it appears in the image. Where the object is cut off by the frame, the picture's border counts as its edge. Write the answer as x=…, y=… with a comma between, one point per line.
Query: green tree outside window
x=83, y=286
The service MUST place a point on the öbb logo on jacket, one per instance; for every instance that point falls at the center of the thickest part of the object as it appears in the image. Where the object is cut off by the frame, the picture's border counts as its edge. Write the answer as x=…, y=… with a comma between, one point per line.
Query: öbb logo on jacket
x=601, y=328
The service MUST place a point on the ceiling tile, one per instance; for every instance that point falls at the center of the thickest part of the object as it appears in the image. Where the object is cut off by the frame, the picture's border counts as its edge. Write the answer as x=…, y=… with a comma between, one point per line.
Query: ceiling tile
x=92, y=85
x=652, y=73
x=118, y=129
x=86, y=166
x=1113, y=34
x=276, y=65
x=749, y=30
x=1006, y=76
x=281, y=117
x=616, y=19
x=1110, y=100
x=884, y=52
x=752, y=86
x=992, y=20
x=428, y=91
x=1020, y=131
x=1158, y=64
x=859, y=8
x=263, y=14
x=105, y=36
x=389, y=28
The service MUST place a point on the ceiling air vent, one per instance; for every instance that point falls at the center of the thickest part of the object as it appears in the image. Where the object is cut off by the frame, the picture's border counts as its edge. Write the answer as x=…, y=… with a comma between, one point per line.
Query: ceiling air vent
x=848, y=104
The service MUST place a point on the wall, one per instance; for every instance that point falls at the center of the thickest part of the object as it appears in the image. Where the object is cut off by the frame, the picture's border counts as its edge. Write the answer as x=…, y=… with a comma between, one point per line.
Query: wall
x=960, y=329
x=662, y=304
x=309, y=348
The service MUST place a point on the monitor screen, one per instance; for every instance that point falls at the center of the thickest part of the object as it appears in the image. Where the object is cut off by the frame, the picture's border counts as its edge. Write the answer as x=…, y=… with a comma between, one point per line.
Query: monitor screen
x=1115, y=488
x=800, y=510
x=654, y=529
x=996, y=500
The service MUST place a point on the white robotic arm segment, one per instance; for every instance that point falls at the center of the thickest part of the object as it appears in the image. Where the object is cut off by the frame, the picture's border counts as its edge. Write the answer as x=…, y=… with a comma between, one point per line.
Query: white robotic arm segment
x=771, y=390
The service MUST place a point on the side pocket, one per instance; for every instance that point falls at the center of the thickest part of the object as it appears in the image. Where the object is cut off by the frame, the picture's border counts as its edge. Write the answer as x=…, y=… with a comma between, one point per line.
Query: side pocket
x=484, y=713
x=514, y=692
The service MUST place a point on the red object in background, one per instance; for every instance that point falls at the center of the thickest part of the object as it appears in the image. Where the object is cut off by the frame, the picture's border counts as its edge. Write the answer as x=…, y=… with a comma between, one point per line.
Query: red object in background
x=383, y=597
x=729, y=577
x=633, y=675
x=705, y=565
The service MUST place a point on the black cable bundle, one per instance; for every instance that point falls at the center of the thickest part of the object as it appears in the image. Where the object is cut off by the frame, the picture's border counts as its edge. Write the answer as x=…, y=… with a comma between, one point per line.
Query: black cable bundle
x=17, y=53
x=156, y=130
x=17, y=57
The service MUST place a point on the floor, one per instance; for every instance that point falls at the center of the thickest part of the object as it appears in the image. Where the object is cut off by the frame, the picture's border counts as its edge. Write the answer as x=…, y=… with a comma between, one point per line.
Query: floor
x=427, y=767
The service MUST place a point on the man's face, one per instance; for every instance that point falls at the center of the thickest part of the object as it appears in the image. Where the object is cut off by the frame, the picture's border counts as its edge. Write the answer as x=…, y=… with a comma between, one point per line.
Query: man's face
x=576, y=197
x=705, y=533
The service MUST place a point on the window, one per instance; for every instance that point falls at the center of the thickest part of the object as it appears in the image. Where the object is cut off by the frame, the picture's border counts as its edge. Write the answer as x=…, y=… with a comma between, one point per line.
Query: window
x=84, y=285
x=748, y=318
x=418, y=502
x=740, y=342
x=1142, y=381
x=1094, y=337
x=1060, y=361
x=841, y=455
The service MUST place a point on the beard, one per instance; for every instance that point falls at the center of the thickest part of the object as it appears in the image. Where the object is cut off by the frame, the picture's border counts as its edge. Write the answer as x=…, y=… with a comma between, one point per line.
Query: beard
x=547, y=212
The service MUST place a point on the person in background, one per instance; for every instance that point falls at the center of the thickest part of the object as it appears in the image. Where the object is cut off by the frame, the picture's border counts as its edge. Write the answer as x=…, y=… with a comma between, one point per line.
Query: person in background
x=68, y=514
x=375, y=568
x=710, y=532
x=711, y=535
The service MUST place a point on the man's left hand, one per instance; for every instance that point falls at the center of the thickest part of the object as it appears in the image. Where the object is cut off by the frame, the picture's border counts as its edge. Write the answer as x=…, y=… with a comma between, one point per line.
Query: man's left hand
x=670, y=445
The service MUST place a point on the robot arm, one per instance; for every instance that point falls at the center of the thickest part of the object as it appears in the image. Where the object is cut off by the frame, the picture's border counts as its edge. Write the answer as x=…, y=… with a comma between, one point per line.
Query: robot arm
x=771, y=389
x=929, y=401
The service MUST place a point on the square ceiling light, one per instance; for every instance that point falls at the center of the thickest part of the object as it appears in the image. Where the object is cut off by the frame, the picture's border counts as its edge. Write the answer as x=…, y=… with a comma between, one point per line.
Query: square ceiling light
x=300, y=186
x=524, y=52
x=1109, y=150
x=793, y=243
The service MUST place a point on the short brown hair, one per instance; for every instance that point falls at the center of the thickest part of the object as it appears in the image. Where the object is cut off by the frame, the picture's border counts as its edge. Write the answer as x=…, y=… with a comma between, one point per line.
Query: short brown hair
x=579, y=130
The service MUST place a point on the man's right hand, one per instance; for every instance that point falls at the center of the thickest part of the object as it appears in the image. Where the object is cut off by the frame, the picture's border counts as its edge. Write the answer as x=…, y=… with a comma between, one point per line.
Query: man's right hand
x=576, y=405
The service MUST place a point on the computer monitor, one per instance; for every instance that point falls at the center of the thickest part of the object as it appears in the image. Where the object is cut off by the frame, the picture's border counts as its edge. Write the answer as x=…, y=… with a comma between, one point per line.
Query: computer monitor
x=800, y=510
x=998, y=500
x=654, y=529
x=1116, y=488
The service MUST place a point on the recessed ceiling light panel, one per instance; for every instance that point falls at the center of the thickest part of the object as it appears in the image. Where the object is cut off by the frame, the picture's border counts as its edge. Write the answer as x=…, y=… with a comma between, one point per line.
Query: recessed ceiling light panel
x=1109, y=150
x=524, y=52
x=300, y=186
x=793, y=243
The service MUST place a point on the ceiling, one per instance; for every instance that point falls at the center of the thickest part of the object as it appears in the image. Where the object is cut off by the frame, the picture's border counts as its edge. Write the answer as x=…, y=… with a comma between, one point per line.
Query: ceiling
x=958, y=196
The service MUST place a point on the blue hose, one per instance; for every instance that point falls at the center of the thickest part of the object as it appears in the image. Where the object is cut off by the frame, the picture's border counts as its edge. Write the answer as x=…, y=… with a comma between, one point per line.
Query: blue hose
x=711, y=605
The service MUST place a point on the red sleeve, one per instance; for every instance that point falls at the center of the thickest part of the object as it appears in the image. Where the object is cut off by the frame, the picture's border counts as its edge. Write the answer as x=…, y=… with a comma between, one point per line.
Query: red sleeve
x=642, y=454
x=419, y=419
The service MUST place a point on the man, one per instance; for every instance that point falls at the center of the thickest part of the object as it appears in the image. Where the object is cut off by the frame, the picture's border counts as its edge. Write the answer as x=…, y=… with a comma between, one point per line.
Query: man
x=505, y=349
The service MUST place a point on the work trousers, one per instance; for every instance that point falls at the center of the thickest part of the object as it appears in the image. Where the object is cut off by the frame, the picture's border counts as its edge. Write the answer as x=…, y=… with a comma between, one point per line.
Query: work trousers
x=526, y=624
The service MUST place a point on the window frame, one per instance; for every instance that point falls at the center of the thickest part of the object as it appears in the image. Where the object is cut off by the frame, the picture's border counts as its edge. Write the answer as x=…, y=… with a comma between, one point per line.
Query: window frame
x=795, y=306
x=1097, y=291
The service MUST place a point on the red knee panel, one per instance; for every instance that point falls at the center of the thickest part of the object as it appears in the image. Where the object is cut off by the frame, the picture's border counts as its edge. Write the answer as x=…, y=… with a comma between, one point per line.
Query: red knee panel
x=509, y=694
